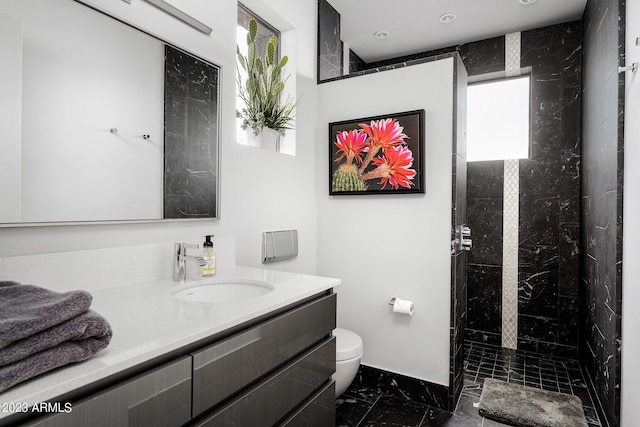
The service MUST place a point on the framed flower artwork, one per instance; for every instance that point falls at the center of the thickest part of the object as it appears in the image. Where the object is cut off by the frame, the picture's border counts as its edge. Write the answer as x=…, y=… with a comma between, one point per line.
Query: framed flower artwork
x=377, y=155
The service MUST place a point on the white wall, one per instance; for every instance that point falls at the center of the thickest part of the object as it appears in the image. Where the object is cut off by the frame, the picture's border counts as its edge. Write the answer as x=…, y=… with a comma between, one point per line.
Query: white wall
x=631, y=233
x=260, y=190
x=393, y=245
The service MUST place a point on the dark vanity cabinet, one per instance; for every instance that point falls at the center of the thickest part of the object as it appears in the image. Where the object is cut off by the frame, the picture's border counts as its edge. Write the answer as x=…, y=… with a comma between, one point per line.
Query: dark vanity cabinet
x=160, y=398
x=275, y=372
x=272, y=399
x=230, y=365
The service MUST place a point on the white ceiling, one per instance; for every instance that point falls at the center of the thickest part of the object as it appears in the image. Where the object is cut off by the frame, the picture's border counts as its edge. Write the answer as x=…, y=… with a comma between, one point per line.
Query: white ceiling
x=414, y=25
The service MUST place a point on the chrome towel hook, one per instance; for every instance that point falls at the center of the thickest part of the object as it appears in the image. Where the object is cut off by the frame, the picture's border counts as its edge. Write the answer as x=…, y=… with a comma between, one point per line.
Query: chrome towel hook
x=633, y=68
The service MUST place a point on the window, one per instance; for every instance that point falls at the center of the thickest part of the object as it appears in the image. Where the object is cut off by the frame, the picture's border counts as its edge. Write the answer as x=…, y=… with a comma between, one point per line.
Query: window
x=265, y=31
x=498, y=119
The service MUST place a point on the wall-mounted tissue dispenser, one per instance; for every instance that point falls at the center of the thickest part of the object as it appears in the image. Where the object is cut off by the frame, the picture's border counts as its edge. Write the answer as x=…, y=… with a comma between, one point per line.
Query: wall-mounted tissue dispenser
x=279, y=245
x=401, y=306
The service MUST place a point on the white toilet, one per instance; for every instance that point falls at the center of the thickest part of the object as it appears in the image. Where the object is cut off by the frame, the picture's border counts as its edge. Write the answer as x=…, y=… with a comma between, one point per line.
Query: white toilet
x=348, y=355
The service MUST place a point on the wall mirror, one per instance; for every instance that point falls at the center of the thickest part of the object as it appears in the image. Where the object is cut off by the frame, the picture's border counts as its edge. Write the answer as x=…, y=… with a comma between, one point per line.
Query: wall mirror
x=101, y=121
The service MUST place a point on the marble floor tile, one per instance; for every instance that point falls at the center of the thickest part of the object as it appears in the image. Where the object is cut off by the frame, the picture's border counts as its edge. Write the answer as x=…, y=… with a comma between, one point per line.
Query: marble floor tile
x=350, y=411
x=394, y=411
x=362, y=406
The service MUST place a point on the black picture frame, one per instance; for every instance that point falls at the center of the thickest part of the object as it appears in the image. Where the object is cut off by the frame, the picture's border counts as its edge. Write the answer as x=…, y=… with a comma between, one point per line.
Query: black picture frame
x=382, y=154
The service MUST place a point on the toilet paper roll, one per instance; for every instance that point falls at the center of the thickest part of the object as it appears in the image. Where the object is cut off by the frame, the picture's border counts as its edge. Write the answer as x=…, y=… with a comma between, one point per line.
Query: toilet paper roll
x=402, y=306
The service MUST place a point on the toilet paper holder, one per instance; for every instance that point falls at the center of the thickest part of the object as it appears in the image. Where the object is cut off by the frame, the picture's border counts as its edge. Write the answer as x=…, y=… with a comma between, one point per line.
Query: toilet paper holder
x=400, y=306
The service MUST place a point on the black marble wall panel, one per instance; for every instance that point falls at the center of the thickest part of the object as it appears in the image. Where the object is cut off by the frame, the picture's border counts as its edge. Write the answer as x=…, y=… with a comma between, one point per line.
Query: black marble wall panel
x=330, y=48
x=458, y=218
x=484, y=56
x=484, y=270
x=484, y=301
x=602, y=165
x=549, y=198
x=191, y=137
x=355, y=62
x=402, y=386
x=548, y=256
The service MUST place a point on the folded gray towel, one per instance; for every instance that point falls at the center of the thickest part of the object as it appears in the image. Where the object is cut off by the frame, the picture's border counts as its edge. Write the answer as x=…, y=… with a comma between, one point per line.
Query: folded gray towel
x=26, y=309
x=62, y=328
x=72, y=341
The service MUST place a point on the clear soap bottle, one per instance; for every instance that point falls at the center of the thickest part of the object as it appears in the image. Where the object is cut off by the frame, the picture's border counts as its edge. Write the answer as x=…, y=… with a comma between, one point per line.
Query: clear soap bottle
x=209, y=256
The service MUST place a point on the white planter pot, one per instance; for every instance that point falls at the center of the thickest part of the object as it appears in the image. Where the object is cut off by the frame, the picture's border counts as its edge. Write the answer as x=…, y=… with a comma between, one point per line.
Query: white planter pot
x=268, y=139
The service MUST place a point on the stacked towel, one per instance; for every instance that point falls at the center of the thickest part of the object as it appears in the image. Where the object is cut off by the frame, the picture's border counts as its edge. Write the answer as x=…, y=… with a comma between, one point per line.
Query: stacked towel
x=41, y=330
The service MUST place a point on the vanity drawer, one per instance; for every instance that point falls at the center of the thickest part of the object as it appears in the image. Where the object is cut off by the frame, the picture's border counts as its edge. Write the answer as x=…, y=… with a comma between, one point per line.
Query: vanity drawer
x=158, y=398
x=319, y=411
x=234, y=363
x=271, y=400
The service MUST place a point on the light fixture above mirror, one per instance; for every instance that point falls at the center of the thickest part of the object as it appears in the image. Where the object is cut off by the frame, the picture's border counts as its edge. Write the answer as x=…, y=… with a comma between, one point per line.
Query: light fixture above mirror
x=178, y=14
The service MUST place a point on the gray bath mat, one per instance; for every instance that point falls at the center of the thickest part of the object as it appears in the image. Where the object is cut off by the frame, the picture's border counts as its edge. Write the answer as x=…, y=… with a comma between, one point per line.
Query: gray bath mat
x=523, y=406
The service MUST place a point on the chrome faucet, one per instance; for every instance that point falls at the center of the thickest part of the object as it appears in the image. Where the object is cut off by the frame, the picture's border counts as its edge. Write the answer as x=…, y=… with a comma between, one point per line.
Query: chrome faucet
x=180, y=260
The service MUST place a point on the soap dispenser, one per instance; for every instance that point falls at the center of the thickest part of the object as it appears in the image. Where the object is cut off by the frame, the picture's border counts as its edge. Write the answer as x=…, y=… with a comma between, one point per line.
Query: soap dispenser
x=209, y=268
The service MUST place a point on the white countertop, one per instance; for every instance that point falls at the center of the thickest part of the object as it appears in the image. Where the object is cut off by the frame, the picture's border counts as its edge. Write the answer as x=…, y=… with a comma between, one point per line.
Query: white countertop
x=148, y=322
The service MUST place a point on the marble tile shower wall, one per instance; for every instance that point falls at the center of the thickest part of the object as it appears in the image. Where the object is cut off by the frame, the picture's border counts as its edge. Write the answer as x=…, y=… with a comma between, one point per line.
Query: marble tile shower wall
x=458, y=217
x=484, y=268
x=602, y=180
x=550, y=198
x=550, y=194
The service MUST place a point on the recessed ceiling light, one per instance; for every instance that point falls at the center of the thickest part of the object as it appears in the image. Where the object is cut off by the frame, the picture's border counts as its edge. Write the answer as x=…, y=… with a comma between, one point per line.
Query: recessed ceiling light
x=447, y=18
x=527, y=1
x=381, y=35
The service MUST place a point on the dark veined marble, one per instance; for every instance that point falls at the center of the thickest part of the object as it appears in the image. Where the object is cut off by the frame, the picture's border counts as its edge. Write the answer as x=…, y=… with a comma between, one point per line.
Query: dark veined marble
x=486, y=179
x=483, y=337
x=401, y=386
x=485, y=220
x=549, y=198
x=548, y=256
x=484, y=298
x=363, y=406
x=602, y=188
x=330, y=55
x=483, y=56
x=458, y=218
x=191, y=136
x=550, y=192
x=355, y=62
x=484, y=270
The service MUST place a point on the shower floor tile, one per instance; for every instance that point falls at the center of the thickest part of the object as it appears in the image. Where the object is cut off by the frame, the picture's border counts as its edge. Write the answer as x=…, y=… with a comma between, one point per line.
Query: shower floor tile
x=360, y=406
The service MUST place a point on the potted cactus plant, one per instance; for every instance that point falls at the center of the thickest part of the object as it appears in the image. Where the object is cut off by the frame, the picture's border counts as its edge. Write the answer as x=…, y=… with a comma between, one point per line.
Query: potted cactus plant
x=261, y=88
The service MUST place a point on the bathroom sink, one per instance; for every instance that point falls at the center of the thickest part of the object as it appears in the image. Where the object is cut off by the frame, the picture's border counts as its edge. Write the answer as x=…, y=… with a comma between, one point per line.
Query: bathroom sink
x=222, y=290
